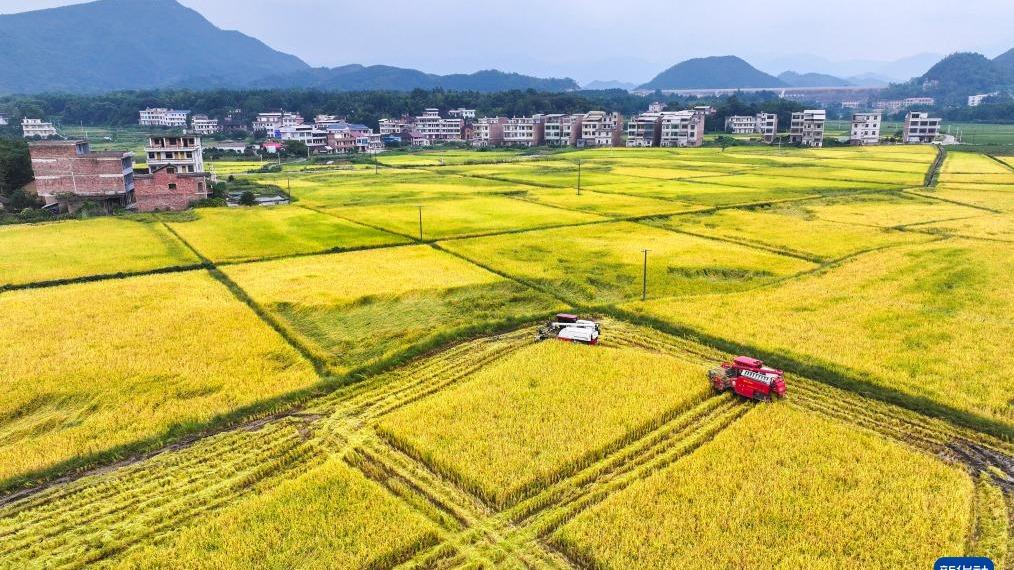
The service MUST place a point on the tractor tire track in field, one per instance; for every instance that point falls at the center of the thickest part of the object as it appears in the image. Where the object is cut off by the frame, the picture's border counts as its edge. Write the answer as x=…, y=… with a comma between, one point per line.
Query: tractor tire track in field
x=518, y=535
x=979, y=453
x=105, y=514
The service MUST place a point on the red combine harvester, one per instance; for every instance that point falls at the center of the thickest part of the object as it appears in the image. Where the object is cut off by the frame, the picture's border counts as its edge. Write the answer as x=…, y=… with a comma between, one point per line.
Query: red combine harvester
x=570, y=328
x=749, y=378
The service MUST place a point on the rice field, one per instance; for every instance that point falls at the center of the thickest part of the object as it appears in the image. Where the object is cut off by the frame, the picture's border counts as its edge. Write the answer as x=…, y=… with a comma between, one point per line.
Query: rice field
x=789, y=488
x=541, y=413
x=354, y=309
x=314, y=386
x=74, y=249
x=78, y=384
x=929, y=321
x=604, y=263
x=434, y=219
x=241, y=234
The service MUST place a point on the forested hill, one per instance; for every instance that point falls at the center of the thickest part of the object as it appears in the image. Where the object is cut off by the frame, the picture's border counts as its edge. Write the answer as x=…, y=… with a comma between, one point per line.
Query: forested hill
x=721, y=72
x=115, y=44
x=109, y=45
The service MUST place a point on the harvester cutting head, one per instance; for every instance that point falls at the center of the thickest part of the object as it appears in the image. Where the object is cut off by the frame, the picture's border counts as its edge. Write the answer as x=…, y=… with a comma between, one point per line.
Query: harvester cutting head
x=570, y=328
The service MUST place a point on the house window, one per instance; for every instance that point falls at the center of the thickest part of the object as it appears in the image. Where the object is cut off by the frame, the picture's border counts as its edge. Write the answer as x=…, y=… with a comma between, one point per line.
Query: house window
x=172, y=186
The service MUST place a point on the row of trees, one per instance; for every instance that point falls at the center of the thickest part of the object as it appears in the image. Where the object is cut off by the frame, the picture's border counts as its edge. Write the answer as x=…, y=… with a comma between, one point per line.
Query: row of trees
x=367, y=107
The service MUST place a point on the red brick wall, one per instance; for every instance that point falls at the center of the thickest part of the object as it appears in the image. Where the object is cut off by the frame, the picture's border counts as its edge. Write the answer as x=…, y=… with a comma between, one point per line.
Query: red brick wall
x=59, y=169
x=152, y=191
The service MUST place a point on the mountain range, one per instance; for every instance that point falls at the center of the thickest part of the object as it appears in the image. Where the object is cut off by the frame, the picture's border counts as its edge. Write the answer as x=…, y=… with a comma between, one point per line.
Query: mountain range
x=99, y=46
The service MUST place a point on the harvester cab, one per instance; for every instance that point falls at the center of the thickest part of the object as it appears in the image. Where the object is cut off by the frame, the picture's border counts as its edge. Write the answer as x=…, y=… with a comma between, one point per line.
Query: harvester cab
x=570, y=328
x=749, y=378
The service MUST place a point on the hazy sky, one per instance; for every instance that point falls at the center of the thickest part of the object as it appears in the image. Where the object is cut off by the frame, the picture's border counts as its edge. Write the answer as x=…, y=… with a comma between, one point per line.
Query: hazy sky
x=628, y=40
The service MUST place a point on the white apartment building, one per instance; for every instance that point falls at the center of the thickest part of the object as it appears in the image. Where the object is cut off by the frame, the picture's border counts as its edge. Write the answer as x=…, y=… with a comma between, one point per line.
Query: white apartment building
x=461, y=113
x=488, y=131
x=656, y=107
x=767, y=126
x=184, y=152
x=599, y=128
x=741, y=124
x=162, y=117
x=920, y=128
x=433, y=127
x=561, y=130
x=682, y=128
x=851, y=104
x=644, y=130
x=890, y=105
x=912, y=101
x=202, y=125
x=3, y=120
x=315, y=139
x=37, y=128
x=524, y=131
x=395, y=126
x=865, y=128
x=807, y=127
x=973, y=100
x=370, y=143
x=272, y=122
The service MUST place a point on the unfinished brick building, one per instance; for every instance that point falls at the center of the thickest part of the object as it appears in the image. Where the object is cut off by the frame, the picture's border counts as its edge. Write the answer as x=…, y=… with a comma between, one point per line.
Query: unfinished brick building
x=68, y=174
x=166, y=189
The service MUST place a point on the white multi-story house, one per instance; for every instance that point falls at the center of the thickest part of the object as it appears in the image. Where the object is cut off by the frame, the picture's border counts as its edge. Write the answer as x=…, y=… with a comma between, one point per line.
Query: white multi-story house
x=370, y=143
x=434, y=128
x=599, y=128
x=973, y=100
x=162, y=117
x=524, y=131
x=913, y=101
x=315, y=139
x=272, y=122
x=184, y=152
x=656, y=107
x=3, y=120
x=202, y=125
x=682, y=128
x=920, y=128
x=461, y=113
x=741, y=124
x=807, y=127
x=865, y=128
x=889, y=105
x=488, y=131
x=644, y=129
x=561, y=130
x=767, y=126
x=37, y=129
x=395, y=126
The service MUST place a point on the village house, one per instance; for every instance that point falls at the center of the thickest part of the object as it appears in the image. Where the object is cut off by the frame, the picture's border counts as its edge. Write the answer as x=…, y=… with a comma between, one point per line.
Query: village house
x=920, y=127
x=865, y=128
x=184, y=152
x=682, y=128
x=164, y=118
x=599, y=128
x=807, y=127
x=37, y=129
x=561, y=130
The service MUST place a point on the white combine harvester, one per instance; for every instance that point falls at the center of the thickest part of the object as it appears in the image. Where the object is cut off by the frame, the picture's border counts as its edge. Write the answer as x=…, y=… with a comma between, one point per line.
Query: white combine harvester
x=570, y=328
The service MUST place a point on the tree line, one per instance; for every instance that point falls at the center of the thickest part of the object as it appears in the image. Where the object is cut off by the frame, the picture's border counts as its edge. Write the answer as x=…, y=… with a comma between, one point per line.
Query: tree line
x=118, y=109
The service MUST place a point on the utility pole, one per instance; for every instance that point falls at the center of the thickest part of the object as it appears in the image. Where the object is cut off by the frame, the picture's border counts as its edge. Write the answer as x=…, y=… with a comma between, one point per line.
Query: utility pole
x=288, y=186
x=579, y=177
x=420, y=224
x=376, y=165
x=644, y=277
